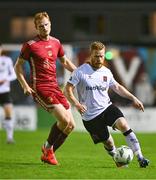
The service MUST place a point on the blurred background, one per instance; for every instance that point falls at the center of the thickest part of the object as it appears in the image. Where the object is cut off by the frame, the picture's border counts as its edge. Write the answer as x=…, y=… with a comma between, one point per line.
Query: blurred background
x=127, y=28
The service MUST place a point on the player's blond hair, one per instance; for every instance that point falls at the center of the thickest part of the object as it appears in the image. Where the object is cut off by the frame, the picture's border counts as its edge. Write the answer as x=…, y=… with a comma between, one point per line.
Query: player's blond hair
x=97, y=45
x=39, y=16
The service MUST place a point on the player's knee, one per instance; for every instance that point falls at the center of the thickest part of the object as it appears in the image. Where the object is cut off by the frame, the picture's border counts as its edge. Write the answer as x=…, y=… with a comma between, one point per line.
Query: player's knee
x=70, y=122
x=71, y=126
x=122, y=125
x=64, y=124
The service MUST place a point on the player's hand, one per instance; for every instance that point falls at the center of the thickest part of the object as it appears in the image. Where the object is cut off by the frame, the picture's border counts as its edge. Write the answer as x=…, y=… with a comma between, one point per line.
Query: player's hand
x=81, y=108
x=2, y=82
x=138, y=104
x=28, y=91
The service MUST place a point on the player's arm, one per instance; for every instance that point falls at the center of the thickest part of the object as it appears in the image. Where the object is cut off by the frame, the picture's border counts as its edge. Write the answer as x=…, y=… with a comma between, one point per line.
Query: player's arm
x=20, y=76
x=67, y=63
x=2, y=81
x=122, y=91
x=69, y=89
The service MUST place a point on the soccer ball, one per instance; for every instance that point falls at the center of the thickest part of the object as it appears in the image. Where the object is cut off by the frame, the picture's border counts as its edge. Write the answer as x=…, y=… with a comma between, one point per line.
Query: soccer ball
x=124, y=155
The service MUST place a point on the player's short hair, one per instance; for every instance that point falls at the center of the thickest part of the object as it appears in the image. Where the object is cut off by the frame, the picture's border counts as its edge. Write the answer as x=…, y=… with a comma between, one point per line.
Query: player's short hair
x=97, y=45
x=39, y=16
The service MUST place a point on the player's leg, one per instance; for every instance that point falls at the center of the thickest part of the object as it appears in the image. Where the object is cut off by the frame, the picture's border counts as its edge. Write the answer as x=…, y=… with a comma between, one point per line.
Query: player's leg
x=131, y=139
x=57, y=105
x=60, y=130
x=71, y=123
x=8, y=122
x=110, y=146
x=100, y=134
x=58, y=133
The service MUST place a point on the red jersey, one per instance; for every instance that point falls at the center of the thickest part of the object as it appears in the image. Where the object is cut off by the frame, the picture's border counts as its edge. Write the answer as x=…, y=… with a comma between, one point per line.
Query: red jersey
x=42, y=56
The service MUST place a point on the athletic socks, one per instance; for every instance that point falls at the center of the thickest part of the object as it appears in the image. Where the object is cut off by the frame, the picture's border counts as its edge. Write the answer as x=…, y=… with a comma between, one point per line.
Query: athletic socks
x=47, y=145
x=133, y=143
x=56, y=138
x=9, y=127
x=111, y=151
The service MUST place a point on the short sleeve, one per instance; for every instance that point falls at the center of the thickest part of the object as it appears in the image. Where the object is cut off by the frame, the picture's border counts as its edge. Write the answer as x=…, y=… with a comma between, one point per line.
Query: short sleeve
x=74, y=78
x=25, y=51
x=112, y=80
x=61, y=51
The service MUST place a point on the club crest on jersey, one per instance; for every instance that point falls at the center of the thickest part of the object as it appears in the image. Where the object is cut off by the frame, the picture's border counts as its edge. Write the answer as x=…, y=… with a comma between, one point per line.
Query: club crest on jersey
x=105, y=78
x=50, y=53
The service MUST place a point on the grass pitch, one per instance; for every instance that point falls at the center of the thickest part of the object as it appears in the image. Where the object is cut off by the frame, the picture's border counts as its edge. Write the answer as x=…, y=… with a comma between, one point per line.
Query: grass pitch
x=79, y=158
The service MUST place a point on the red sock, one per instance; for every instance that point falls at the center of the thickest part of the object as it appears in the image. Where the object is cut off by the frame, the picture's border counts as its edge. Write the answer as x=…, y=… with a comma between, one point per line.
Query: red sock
x=56, y=137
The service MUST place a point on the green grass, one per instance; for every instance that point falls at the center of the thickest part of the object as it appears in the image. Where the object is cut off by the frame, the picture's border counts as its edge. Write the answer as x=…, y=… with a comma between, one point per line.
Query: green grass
x=79, y=158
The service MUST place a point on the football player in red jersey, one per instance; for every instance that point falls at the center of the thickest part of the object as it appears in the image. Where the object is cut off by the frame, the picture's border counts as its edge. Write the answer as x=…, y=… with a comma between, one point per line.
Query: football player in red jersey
x=41, y=54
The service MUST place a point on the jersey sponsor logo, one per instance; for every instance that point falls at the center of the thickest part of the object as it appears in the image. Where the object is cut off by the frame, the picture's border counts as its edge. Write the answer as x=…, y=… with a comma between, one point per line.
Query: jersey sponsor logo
x=48, y=46
x=92, y=88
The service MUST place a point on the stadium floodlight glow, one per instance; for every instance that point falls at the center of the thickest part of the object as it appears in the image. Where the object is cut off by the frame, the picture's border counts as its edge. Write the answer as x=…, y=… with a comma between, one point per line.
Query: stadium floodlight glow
x=109, y=55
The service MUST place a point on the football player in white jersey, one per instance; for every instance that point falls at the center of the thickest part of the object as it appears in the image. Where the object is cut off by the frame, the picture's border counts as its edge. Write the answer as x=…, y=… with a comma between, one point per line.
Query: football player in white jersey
x=7, y=74
x=92, y=81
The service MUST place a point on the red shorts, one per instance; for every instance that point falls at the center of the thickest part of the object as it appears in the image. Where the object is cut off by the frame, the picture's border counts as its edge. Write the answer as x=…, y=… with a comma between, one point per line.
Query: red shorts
x=48, y=97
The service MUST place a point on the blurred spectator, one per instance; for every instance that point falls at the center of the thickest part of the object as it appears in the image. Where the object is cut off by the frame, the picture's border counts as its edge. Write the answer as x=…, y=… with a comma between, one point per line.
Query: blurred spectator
x=7, y=75
x=154, y=87
x=144, y=90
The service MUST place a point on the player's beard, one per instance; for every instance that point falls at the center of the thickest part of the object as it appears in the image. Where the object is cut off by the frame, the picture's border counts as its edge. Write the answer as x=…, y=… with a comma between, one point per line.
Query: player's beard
x=96, y=65
x=44, y=35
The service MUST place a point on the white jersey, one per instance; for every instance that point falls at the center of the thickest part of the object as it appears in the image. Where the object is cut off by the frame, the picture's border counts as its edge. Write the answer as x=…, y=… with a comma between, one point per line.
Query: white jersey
x=92, y=89
x=7, y=73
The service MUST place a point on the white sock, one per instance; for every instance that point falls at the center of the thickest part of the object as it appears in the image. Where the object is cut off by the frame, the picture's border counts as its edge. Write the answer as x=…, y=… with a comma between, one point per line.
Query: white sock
x=112, y=151
x=47, y=145
x=9, y=127
x=133, y=143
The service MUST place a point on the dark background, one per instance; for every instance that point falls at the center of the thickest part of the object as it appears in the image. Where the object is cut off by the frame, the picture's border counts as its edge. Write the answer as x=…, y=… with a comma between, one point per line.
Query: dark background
x=128, y=25
x=110, y=21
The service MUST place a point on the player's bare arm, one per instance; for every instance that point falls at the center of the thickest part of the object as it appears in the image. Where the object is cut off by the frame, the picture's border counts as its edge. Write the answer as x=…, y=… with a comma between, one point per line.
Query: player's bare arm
x=122, y=91
x=20, y=76
x=70, y=95
x=67, y=64
x=2, y=81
